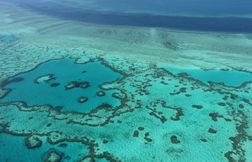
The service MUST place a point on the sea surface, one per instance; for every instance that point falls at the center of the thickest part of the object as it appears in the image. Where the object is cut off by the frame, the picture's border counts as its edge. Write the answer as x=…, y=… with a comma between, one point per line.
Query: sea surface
x=125, y=81
x=224, y=16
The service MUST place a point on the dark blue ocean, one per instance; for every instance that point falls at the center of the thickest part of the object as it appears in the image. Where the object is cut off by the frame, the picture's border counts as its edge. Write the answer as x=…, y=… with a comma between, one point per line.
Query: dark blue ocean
x=197, y=15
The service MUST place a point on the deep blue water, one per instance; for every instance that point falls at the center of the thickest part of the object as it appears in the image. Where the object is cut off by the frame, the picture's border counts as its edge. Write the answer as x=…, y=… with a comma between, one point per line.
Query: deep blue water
x=206, y=7
x=146, y=16
x=175, y=7
x=190, y=7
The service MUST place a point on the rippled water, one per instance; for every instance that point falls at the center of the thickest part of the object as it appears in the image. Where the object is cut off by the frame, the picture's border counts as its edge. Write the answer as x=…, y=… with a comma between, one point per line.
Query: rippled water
x=129, y=81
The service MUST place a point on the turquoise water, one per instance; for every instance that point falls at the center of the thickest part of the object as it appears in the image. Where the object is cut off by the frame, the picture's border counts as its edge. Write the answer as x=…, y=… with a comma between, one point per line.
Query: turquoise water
x=7, y=38
x=13, y=149
x=230, y=78
x=96, y=81
x=33, y=90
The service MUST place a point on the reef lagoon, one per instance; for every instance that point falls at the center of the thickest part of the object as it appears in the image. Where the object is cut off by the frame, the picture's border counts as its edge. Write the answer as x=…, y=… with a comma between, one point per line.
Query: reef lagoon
x=233, y=78
x=63, y=84
x=125, y=81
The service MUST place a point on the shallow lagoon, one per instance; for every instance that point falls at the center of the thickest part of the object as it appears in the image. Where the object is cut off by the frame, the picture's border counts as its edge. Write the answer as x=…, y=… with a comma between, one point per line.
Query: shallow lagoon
x=232, y=78
x=13, y=148
x=64, y=84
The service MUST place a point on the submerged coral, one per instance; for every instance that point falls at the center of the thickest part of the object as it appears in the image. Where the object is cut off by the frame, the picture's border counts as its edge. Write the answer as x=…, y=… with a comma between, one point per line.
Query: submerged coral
x=161, y=115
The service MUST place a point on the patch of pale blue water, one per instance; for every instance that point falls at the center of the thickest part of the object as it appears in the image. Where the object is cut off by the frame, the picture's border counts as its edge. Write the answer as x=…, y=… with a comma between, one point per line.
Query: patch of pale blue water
x=233, y=78
x=63, y=83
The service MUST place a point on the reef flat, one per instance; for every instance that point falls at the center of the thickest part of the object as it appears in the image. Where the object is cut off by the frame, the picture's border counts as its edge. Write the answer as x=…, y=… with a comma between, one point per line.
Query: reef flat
x=80, y=92
x=162, y=115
